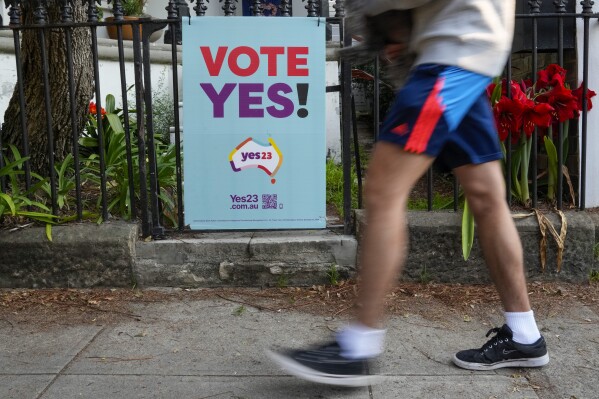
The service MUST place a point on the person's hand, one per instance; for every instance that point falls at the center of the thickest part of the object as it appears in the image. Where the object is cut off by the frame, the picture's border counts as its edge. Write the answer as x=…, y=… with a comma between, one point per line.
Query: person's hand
x=394, y=50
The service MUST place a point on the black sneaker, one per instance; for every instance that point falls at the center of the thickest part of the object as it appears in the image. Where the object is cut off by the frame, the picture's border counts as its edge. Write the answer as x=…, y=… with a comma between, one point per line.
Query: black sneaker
x=325, y=365
x=502, y=351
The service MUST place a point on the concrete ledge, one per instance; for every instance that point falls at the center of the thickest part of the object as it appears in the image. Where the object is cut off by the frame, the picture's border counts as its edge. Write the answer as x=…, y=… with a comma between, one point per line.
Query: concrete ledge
x=88, y=255
x=268, y=258
x=436, y=251
x=80, y=255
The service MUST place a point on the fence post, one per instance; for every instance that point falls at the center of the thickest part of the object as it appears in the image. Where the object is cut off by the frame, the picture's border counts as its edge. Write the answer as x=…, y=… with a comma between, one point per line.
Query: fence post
x=15, y=14
x=67, y=17
x=346, y=132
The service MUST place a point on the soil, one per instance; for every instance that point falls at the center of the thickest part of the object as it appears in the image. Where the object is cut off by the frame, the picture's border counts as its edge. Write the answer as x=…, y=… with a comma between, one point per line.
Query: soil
x=49, y=308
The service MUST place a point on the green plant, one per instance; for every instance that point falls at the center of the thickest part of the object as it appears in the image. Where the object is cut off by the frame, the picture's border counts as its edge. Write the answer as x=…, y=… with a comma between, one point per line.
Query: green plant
x=117, y=165
x=282, y=281
x=133, y=8
x=334, y=186
x=100, y=13
x=115, y=155
x=467, y=231
x=333, y=275
x=17, y=202
x=162, y=110
x=440, y=201
x=425, y=277
x=65, y=182
x=594, y=276
x=239, y=311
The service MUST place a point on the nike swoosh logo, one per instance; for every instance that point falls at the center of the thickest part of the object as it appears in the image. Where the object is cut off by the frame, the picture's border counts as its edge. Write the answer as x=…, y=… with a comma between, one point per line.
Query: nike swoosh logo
x=506, y=352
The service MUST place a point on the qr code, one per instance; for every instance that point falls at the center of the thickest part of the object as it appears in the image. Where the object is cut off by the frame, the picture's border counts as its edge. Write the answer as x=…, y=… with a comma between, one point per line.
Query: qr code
x=269, y=201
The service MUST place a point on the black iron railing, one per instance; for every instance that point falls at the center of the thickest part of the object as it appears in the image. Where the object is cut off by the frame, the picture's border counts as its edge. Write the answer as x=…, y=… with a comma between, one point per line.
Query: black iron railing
x=144, y=191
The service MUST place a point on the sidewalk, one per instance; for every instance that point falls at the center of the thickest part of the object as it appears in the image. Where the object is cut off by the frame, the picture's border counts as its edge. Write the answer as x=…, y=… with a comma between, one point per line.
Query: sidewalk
x=214, y=348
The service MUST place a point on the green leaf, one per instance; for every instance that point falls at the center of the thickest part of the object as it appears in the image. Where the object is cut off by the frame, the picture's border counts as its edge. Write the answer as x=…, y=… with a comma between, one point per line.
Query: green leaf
x=49, y=231
x=88, y=142
x=115, y=122
x=110, y=104
x=467, y=231
x=9, y=202
x=551, y=167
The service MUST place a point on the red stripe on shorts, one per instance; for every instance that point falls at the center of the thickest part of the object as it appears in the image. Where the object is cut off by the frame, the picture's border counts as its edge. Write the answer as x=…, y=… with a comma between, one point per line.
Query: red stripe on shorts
x=427, y=120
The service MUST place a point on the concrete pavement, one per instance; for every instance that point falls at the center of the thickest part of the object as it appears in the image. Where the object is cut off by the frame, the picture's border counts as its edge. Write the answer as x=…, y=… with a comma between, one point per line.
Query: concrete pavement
x=210, y=349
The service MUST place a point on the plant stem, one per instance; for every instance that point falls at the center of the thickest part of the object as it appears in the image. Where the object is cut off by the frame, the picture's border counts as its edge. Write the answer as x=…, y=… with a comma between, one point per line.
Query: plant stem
x=525, y=148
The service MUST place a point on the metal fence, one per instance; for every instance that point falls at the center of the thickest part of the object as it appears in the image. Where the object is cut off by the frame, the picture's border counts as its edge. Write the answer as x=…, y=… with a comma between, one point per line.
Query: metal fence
x=546, y=29
x=144, y=192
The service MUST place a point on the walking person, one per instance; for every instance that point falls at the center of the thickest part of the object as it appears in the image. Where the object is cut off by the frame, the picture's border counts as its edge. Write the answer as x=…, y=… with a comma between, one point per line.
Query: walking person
x=440, y=115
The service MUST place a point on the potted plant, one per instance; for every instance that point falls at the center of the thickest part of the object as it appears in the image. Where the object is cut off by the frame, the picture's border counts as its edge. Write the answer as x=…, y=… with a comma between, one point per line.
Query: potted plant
x=132, y=10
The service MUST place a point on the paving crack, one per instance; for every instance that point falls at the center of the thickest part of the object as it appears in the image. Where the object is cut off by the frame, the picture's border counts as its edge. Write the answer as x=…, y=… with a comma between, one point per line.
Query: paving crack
x=66, y=366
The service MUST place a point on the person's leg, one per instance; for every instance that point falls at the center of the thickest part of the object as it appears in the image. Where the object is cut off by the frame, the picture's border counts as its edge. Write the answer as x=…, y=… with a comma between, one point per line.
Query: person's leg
x=392, y=173
x=484, y=187
x=518, y=343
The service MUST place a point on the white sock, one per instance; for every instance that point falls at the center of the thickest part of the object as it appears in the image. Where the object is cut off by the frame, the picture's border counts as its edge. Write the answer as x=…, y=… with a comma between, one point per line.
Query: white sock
x=359, y=342
x=524, y=326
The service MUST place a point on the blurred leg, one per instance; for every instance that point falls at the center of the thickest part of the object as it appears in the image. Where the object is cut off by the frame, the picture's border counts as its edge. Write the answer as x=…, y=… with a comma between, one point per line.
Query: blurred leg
x=392, y=173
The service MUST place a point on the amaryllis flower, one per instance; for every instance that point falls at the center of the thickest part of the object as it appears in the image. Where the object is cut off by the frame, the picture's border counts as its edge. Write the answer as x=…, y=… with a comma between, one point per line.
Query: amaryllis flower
x=547, y=77
x=535, y=115
x=578, y=94
x=93, y=109
x=526, y=83
x=508, y=117
x=564, y=103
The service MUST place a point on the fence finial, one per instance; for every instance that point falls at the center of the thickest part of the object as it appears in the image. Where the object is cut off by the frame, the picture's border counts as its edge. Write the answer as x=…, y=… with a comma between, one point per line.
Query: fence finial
x=587, y=6
x=535, y=6
x=339, y=7
x=200, y=7
x=257, y=8
x=560, y=6
x=171, y=9
x=285, y=8
x=66, y=11
x=14, y=12
x=229, y=7
x=40, y=12
x=313, y=7
x=117, y=9
x=92, y=10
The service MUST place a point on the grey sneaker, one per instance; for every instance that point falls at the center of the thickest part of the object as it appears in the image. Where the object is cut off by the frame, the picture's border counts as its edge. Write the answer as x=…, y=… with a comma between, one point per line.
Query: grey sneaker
x=502, y=351
x=325, y=365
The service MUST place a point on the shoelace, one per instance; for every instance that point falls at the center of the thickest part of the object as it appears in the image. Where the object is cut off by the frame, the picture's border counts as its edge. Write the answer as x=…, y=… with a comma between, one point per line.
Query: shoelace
x=497, y=339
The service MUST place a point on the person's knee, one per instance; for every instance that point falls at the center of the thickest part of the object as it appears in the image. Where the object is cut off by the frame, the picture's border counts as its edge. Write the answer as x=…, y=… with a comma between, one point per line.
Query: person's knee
x=485, y=202
x=380, y=194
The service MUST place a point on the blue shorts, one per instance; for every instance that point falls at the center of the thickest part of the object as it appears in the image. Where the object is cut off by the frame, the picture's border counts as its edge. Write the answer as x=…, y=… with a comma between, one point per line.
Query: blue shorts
x=443, y=111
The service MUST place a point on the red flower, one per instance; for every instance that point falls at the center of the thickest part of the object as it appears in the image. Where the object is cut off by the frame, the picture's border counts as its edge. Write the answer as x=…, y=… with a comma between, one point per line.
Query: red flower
x=526, y=83
x=508, y=117
x=550, y=76
x=517, y=92
x=564, y=103
x=535, y=115
x=578, y=94
x=93, y=109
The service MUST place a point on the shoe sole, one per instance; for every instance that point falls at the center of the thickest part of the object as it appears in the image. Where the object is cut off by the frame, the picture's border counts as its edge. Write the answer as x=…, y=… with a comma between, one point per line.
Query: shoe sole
x=533, y=362
x=299, y=370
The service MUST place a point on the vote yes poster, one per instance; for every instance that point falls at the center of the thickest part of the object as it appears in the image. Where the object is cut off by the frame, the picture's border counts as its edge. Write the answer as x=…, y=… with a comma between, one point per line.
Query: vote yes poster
x=254, y=123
